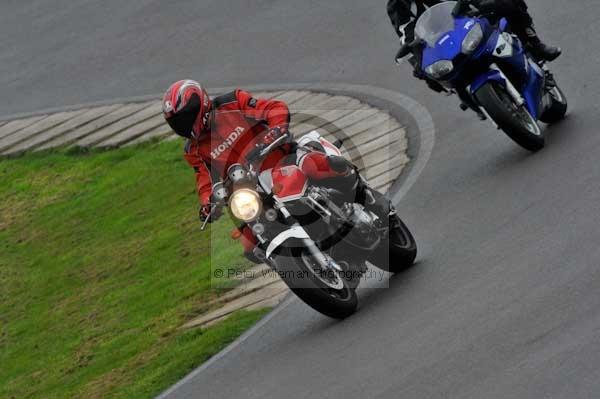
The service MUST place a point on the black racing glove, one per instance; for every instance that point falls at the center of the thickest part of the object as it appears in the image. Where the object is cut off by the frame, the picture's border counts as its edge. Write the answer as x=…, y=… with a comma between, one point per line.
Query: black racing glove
x=419, y=74
x=206, y=215
x=273, y=134
x=435, y=86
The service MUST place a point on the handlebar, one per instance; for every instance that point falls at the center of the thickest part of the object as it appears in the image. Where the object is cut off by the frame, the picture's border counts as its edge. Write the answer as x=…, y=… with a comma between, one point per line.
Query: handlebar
x=213, y=210
x=408, y=48
x=281, y=140
x=263, y=150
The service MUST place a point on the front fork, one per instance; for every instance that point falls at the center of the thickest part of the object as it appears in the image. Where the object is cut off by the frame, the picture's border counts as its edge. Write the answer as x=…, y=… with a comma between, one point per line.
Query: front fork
x=467, y=102
x=496, y=75
x=298, y=232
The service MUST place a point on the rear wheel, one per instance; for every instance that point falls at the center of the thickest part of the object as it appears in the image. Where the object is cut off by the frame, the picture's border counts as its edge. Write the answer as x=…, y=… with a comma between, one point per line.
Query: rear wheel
x=328, y=292
x=559, y=107
x=514, y=120
x=399, y=252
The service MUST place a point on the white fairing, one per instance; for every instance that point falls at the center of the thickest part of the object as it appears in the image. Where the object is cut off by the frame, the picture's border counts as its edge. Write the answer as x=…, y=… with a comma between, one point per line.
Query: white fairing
x=266, y=180
x=330, y=149
x=504, y=46
x=315, y=137
x=309, y=137
x=536, y=68
x=294, y=232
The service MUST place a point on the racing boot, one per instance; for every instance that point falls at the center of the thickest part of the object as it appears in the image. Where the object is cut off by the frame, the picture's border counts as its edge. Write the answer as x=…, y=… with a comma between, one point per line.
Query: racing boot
x=347, y=177
x=356, y=189
x=540, y=50
x=355, y=184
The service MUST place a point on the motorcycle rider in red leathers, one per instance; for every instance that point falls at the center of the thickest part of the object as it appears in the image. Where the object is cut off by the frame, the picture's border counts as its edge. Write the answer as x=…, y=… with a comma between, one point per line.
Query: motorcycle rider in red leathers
x=223, y=131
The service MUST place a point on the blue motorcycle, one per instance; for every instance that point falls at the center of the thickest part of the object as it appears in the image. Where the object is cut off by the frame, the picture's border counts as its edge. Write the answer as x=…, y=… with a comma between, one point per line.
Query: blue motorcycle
x=490, y=70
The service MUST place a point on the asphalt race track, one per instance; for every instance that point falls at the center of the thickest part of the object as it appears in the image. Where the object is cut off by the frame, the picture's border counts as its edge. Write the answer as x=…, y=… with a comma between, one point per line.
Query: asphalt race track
x=505, y=301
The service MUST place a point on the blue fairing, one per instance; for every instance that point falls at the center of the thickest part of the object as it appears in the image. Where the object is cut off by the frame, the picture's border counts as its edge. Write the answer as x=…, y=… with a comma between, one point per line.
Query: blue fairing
x=534, y=90
x=478, y=67
x=503, y=25
x=517, y=61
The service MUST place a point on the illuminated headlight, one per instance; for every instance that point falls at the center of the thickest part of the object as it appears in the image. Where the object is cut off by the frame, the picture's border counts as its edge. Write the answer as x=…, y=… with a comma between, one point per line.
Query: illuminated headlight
x=439, y=69
x=472, y=40
x=245, y=205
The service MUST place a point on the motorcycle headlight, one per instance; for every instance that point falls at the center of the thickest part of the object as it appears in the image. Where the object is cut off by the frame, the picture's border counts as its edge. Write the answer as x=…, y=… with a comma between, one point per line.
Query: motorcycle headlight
x=472, y=40
x=245, y=204
x=439, y=69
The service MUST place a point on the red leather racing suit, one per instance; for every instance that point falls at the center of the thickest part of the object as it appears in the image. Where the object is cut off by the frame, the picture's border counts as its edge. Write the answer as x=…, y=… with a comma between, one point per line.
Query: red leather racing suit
x=239, y=122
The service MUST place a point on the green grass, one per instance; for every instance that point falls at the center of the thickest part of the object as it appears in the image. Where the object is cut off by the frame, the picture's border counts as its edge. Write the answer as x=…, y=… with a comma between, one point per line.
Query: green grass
x=101, y=261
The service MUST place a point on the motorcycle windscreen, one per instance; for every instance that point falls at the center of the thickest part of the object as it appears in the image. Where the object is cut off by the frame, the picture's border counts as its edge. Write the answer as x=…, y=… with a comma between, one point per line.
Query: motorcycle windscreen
x=435, y=22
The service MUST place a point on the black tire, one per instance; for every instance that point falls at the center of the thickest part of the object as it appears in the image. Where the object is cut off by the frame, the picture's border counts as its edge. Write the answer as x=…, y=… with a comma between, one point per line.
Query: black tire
x=515, y=121
x=291, y=266
x=399, y=252
x=558, y=109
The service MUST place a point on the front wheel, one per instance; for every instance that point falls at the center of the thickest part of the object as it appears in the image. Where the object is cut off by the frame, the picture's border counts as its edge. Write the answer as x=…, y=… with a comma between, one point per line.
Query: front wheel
x=328, y=292
x=514, y=120
x=558, y=109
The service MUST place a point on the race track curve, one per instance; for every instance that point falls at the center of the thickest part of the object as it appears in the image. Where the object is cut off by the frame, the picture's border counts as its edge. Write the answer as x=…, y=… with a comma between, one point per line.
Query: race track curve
x=504, y=302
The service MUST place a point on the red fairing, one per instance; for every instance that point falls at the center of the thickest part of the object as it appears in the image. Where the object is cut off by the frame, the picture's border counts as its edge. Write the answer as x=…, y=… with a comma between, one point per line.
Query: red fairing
x=289, y=183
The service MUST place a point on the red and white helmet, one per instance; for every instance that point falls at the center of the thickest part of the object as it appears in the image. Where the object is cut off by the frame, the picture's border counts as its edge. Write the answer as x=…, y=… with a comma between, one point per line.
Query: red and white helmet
x=186, y=107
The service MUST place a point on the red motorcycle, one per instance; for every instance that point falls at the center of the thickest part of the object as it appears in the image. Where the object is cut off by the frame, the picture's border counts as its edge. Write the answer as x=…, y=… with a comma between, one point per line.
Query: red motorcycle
x=317, y=238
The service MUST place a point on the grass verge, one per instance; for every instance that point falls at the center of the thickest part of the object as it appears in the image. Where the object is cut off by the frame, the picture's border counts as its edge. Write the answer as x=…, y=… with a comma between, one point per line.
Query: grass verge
x=101, y=262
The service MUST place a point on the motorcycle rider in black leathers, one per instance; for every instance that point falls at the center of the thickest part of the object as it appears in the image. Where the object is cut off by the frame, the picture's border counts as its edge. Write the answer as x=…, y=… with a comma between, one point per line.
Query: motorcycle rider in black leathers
x=405, y=13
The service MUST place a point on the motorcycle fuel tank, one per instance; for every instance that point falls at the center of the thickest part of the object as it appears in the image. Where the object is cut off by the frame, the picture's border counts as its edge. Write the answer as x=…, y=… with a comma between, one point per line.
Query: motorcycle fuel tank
x=289, y=183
